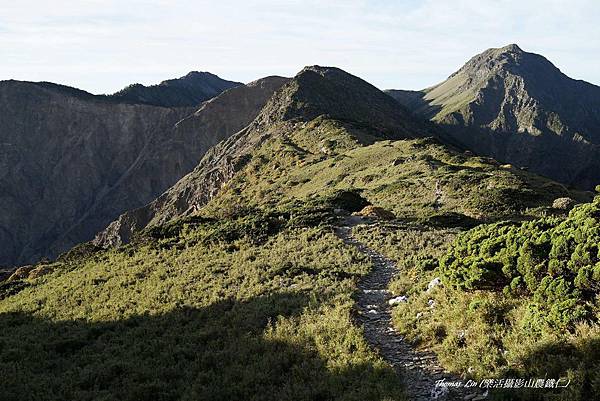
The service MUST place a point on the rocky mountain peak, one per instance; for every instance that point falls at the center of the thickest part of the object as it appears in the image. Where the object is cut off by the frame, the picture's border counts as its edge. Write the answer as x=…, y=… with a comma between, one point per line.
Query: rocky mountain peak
x=321, y=70
x=198, y=74
x=267, y=80
x=334, y=93
x=512, y=50
x=513, y=47
x=193, y=78
x=509, y=60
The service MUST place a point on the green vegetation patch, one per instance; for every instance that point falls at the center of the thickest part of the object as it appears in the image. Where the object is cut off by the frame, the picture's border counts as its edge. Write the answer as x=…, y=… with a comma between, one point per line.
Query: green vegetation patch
x=553, y=263
x=414, y=179
x=216, y=310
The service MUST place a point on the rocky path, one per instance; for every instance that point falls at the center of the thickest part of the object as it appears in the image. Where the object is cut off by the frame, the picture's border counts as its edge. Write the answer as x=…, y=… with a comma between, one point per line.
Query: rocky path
x=419, y=369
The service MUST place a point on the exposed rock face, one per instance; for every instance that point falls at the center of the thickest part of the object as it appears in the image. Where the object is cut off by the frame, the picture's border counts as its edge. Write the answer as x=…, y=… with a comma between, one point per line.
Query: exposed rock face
x=30, y=272
x=71, y=162
x=315, y=91
x=518, y=107
x=564, y=203
x=375, y=212
x=190, y=90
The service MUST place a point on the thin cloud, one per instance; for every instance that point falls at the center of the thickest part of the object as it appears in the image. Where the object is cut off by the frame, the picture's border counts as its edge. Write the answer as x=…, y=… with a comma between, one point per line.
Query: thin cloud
x=102, y=46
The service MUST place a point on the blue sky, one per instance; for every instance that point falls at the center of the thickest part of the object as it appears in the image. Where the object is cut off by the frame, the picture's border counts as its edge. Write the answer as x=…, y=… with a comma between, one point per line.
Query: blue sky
x=103, y=45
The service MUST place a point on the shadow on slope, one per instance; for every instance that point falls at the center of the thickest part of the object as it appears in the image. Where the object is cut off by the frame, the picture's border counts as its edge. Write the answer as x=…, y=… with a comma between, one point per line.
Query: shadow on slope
x=578, y=171
x=220, y=352
x=576, y=363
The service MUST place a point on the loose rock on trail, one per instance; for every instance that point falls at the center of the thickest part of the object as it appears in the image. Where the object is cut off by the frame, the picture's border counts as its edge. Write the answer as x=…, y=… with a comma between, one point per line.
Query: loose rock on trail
x=419, y=369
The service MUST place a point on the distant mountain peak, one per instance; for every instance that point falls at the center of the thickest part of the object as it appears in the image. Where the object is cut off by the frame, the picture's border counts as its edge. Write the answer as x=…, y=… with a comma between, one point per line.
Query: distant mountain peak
x=518, y=107
x=189, y=90
x=321, y=70
x=270, y=78
x=193, y=76
x=198, y=73
x=511, y=59
x=495, y=59
x=508, y=52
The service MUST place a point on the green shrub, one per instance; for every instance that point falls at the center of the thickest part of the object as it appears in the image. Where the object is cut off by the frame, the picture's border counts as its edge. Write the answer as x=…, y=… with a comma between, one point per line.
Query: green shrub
x=556, y=263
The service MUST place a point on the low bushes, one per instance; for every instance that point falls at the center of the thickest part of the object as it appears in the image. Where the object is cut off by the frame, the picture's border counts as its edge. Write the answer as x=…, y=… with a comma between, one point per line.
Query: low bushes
x=554, y=263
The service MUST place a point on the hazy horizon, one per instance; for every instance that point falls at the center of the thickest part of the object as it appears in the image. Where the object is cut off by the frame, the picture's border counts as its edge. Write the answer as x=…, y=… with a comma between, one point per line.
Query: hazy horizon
x=102, y=46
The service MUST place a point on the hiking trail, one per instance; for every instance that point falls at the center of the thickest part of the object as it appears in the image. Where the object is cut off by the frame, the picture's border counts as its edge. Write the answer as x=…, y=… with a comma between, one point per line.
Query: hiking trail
x=420, y=369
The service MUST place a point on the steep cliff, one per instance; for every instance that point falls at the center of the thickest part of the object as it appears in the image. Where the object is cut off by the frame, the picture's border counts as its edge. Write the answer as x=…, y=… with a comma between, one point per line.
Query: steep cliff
x=71, y=162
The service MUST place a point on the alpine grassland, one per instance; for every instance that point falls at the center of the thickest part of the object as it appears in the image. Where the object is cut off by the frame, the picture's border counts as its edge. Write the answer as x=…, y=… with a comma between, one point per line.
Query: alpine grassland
x=250, y=307
x=250, y=297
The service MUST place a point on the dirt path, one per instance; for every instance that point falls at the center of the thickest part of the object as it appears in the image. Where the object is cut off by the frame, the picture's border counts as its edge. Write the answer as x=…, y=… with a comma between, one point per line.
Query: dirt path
x=419, y=369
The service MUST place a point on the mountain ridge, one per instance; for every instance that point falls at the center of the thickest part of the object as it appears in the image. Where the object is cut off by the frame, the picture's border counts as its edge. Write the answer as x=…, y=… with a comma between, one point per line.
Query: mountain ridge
x=313, y=92
x=282, y=124
x=187, y=91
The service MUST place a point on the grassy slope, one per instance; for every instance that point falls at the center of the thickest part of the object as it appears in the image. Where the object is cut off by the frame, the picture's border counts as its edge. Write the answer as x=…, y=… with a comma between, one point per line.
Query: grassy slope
x=244, y=306
x=323, y=156
x=195, y=317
